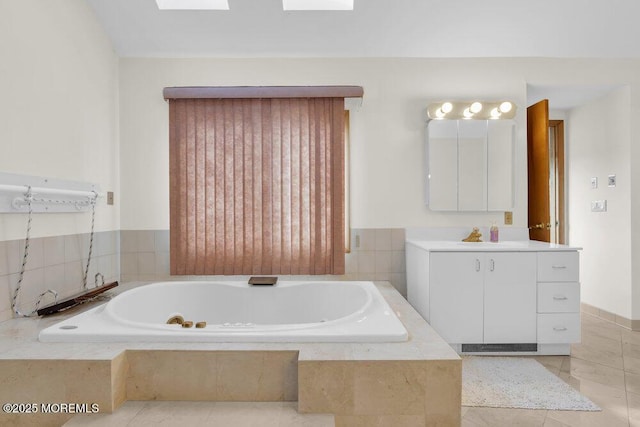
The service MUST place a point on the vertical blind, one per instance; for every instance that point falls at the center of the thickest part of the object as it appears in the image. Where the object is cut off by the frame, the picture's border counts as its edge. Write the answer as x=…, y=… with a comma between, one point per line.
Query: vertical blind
x=257, y=186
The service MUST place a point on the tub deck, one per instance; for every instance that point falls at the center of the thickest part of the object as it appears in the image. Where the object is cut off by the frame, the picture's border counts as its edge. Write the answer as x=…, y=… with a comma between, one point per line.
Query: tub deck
x=412, y=383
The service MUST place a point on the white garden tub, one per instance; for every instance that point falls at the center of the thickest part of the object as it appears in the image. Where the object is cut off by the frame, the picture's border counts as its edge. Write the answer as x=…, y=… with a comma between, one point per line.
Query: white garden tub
x=238, y=312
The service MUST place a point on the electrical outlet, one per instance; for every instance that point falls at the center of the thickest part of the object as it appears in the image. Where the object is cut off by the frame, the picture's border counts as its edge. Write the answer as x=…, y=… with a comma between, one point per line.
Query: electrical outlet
x=611, y=179
x=594, y=182
x=110, y=197
x=508, y=218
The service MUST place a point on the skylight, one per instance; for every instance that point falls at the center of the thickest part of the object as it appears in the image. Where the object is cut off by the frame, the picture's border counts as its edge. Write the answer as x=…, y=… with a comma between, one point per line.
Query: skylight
x=193, y=4
x=317, y=4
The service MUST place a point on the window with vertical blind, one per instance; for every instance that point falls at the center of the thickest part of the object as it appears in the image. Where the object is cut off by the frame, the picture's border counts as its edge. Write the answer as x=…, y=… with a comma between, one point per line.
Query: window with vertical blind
x=257, y=180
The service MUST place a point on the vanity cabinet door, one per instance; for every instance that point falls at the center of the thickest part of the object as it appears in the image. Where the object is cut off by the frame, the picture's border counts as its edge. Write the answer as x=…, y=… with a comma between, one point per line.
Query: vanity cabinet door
x=510, y=297
x=456, y=294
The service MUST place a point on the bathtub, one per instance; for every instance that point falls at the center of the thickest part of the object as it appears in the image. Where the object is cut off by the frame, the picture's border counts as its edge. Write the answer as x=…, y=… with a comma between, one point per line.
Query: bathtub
x=237, y=312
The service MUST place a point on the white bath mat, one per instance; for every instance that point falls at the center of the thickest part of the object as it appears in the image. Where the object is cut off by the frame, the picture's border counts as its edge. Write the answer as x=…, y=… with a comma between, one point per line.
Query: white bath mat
x=516, y=382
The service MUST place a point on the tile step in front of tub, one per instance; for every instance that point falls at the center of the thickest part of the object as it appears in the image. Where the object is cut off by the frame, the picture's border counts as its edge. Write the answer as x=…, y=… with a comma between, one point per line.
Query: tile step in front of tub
x=188, y=413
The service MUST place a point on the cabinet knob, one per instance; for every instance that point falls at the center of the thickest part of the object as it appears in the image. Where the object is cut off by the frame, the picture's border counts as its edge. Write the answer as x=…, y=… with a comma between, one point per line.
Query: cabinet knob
x=477, y=264
x=492, y=264
x=559, y=297
x=559, y=267
x=559, y=328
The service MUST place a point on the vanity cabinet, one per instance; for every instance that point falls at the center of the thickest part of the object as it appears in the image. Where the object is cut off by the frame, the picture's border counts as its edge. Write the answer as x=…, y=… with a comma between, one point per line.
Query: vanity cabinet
x=498, y=301
x=483, y=297
x=558, y=298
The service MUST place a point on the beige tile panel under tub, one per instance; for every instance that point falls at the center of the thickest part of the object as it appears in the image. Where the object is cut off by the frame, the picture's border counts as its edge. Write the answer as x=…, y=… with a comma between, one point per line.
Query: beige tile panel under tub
x=53, y=381
x=431, y=389
x=212, y=375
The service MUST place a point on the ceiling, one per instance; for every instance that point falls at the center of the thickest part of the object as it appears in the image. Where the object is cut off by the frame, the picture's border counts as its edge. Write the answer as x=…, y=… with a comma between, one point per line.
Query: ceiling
x=378, y=28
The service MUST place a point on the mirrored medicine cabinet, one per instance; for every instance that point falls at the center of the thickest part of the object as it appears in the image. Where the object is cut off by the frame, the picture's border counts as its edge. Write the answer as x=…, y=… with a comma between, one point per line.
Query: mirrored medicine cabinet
x=470, y=165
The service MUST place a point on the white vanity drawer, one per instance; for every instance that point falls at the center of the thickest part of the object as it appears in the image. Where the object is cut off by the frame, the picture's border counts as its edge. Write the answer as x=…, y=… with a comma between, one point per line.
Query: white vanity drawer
x=563, y=297
x=561, y=328
x=558, y=266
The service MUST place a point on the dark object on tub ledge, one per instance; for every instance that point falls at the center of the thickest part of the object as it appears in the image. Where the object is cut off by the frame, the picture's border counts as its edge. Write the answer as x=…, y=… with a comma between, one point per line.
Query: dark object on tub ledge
x=76, y=299
x=263, y=281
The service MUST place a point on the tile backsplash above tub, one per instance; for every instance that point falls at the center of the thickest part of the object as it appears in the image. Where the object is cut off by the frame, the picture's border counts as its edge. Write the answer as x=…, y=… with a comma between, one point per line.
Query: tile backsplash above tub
x=56, y=263
x=376, y=254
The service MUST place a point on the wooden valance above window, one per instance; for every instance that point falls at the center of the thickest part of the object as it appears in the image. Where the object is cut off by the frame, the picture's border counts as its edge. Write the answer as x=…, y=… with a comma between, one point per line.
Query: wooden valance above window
x=258, y=92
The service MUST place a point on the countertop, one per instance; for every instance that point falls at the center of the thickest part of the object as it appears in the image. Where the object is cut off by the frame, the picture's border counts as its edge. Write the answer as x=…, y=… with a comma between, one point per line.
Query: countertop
x=502, y=246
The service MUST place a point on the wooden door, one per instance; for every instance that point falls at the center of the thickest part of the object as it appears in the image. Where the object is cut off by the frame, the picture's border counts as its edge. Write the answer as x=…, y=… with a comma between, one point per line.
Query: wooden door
x=538, y=171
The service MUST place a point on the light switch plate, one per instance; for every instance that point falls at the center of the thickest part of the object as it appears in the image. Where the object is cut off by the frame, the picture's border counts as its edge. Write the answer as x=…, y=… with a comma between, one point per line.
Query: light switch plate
x=598, y=206
x=594, y=182
x=611, y=180
x=109, y=197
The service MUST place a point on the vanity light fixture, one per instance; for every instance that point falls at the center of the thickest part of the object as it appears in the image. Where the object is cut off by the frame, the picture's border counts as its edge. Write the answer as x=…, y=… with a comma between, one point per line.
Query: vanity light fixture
x=476, y=110
x=505, y=107
x=475, y=107
x=193, y=4
x=317, y=4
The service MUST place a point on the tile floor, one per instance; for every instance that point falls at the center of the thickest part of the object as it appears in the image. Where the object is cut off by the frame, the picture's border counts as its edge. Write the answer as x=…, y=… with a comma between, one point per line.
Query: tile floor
x=605, y=367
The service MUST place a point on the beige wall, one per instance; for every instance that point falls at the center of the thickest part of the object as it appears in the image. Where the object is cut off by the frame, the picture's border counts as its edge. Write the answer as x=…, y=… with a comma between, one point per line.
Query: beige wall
x=388, y=142
x=59, y=109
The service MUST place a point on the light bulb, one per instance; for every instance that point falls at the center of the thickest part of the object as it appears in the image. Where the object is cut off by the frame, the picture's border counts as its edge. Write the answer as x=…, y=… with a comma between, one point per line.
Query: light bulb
x=439, y=113
x=475, y=107
x=505, y=107
x=446, y=107
x=495, y=113
x=467, y=113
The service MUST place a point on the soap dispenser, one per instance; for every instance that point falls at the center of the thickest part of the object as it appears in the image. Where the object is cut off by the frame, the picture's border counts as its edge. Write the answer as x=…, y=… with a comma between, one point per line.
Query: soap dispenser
x=493, y=233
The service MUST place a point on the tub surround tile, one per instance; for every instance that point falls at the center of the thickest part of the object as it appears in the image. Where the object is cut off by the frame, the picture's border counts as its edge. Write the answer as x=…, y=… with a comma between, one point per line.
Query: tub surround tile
x=383, y=239
x=146, y=240
x=383, y=262
x=53, y=248
x=129, y=266
x=14, y=252
x=387, y=379
x=146, y=263
x=397, y=262
x=367, y=239
x=54, y=277
x=4, y=259
x=162, y=264
x=50, y=380
x=366, y=262
x=351, y=263
x=376, y=254
x=397, y=239
x=128, y=241
x=161, y=240
x=72, y=251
